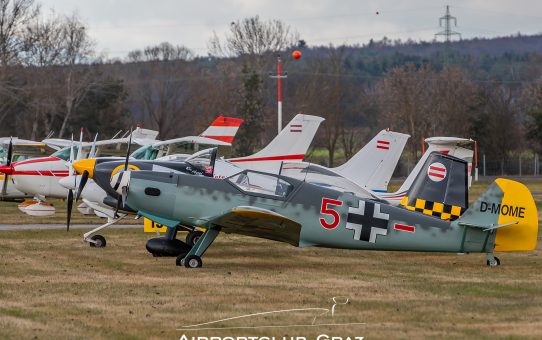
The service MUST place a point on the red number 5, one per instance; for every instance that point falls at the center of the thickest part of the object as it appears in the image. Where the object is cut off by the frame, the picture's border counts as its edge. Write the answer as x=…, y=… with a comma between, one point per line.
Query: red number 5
x=326, y=210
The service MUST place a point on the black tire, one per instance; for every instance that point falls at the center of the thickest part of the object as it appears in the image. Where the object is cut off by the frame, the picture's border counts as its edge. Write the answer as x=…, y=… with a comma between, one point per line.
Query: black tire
x=100, y=241
x=179, y=260
x=193, y=261
x=193, y=237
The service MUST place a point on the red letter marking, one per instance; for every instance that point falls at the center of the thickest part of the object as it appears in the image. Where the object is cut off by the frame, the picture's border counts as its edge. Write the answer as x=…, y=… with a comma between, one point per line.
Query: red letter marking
x=325, y=210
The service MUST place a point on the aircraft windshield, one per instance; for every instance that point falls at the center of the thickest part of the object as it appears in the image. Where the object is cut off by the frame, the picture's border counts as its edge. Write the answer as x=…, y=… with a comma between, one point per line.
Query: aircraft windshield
x=254, y=182
x=64, y=154
x=203, y=160
x=145, y=153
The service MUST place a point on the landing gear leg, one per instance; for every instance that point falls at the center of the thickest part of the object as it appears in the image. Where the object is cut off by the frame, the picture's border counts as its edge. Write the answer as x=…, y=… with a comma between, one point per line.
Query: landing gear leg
x=492, y=260
x=98, y=241
x=193, y=258
x=171, y=233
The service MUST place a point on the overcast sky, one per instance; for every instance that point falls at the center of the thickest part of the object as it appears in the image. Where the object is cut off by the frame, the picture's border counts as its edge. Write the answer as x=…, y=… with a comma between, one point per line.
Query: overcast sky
x=119, y=26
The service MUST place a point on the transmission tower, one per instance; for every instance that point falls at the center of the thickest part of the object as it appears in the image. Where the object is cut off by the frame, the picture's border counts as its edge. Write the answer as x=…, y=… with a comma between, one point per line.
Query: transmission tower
x=447, y=19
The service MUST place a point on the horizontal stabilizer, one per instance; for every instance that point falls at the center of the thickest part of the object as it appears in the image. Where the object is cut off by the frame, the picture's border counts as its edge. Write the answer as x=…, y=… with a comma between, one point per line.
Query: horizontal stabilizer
x=508, y=208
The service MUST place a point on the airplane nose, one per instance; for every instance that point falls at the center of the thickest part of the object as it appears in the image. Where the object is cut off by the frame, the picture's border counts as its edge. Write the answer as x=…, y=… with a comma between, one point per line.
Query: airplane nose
x=6, y=169
x=85, y=164
x=69, y=182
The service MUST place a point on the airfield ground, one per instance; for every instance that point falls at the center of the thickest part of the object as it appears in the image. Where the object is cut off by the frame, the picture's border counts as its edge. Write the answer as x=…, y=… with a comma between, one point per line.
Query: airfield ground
x=54, y=286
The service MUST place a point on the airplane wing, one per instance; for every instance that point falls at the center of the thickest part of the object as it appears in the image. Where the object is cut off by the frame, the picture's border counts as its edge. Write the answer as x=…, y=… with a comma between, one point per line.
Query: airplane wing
x=257, y=222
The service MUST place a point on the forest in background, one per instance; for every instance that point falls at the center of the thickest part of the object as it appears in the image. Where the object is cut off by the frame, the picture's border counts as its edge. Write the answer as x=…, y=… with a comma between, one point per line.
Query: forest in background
x=487, y=89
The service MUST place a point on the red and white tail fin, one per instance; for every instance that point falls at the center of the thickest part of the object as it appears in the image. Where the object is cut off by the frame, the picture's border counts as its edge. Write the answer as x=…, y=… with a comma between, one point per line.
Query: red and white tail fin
x=451, y=146
x=223, y=129
x=290, y=144
x=373, y=166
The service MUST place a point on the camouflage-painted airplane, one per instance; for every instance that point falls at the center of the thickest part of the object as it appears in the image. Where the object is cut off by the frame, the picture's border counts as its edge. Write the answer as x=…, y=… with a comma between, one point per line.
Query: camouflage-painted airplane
x=434, y=216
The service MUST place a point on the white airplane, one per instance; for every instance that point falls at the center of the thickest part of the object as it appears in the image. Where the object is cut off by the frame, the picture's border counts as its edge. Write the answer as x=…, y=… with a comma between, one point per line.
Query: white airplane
x=40, y=177
x=14, y=150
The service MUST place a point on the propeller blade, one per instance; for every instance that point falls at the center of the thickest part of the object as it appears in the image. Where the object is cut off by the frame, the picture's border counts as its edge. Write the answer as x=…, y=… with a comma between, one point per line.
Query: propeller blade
x=10, y=152
x=119, y=204
x=124, y=195
x=128, y=151
x=5, y=185
x=8, y=163
x=70, y=206
x=84, y=179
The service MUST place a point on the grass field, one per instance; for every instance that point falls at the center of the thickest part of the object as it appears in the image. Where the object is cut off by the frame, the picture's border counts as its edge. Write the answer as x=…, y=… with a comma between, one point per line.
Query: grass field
x=54, y=286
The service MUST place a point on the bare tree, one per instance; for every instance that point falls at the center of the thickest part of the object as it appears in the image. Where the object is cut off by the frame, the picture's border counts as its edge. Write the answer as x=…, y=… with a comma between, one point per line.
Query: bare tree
x=253, y=37
x=162, y=52
x=14, y=16
x=78, y=77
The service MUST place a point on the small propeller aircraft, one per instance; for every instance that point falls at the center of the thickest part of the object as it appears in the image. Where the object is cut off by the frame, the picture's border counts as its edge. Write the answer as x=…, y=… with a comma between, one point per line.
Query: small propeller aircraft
x=292, y=143
x=14, y=150
x=433, y=216
x=39, y=177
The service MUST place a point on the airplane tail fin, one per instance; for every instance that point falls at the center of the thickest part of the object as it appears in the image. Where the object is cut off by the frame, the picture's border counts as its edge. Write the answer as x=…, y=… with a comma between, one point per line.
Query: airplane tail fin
x=509, y=208
x=223, y=129
x=451, y=146
x=440, y=189
x=373, y=166
x=290, y=144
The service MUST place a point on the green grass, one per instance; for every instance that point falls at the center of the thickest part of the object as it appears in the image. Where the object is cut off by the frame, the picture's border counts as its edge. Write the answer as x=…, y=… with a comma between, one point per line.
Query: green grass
x=53, y=285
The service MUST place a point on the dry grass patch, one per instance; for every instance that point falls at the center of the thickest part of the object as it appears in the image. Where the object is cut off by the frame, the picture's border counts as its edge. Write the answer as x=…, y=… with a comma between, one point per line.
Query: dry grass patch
x=53, y=285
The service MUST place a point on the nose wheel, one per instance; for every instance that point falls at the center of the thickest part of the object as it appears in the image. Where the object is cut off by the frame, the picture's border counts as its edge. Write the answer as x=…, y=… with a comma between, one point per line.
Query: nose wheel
x=97, y=241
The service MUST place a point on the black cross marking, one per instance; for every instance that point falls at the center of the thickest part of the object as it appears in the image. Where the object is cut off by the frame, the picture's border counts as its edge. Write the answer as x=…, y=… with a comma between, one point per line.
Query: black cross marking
x=367, y=221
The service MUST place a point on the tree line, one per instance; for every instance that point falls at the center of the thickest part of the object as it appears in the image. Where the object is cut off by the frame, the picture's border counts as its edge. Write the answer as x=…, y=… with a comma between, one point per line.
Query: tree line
x=52, y=80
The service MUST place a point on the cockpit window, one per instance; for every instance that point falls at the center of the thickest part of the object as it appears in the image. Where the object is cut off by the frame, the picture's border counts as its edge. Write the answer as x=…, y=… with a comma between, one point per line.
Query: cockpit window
x=203, y=160
x=64, y=154
x=145, y=152
x=254, y=182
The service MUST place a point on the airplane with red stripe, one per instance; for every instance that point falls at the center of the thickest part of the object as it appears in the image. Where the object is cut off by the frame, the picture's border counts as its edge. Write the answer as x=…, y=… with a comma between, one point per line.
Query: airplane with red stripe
x=40, y=177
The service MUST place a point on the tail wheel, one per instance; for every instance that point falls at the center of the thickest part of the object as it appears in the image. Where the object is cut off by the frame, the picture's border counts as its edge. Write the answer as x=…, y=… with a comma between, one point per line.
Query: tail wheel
x=192, y=261
x=193, y=237
x=494, y=263
x=99, y=241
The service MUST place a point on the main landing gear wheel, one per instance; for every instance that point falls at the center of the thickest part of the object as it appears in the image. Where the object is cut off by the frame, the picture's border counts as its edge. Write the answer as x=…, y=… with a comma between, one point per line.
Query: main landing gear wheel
x=193, y=237
x=99, y=241
x=192, y=261
x=494, y=263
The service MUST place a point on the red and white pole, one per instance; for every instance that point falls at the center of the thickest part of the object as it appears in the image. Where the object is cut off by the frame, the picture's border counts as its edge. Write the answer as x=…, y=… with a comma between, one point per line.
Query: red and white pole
x=279, y=76
x=279, y=94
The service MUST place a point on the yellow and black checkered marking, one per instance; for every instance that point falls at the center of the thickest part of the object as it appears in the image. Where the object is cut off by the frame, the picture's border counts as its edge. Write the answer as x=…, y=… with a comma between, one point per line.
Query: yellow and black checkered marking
x=443, y=211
